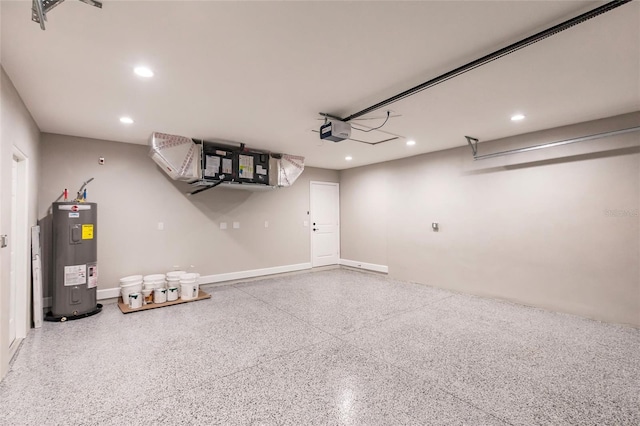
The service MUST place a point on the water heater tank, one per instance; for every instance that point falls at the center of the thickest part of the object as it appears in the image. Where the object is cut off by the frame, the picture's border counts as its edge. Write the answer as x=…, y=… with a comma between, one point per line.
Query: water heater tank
x=75, y=261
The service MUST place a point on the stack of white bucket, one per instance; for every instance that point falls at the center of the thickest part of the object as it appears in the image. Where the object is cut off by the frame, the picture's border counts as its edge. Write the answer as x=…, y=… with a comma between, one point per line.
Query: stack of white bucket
x=173, y=284
x=130, y=285
x=155, y=284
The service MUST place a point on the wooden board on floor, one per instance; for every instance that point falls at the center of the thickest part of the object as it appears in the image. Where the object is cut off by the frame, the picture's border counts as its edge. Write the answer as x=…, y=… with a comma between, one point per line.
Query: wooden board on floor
x=124, y=307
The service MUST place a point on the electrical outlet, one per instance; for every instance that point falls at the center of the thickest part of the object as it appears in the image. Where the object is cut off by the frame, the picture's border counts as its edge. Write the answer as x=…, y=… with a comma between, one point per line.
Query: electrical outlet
x=236, y=225
x=223, y=225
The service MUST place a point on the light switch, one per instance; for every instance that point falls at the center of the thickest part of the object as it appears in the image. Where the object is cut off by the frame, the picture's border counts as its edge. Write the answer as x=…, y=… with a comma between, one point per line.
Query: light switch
x=305, y=223
x=160, y=226
x=266, y=223
x=223, y=225
x=435, y=226
x=236, y=225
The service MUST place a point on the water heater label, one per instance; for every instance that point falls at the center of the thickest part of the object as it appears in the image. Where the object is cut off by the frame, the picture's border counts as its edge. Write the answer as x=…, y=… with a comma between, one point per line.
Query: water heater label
x=92, y=269
x=74, y=214
x=75, y=275
x=87, y=232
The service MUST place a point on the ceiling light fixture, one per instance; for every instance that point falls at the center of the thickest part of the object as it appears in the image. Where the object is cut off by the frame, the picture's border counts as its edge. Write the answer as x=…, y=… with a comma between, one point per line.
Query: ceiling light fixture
x=126, y=120
x=348, y=158
x=143, y=72
x=411, y=142
x=517, y=117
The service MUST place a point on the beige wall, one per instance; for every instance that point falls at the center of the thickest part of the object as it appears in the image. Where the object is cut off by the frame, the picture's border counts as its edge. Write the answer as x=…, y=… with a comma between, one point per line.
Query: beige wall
x=133, y=195
x=364, y=213
x=19, y=131
x=530, y=228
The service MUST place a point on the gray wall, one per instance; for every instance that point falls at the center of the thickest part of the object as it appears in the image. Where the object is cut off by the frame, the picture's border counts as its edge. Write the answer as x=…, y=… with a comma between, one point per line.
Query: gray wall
x=18, y=130
x=133, y=195
x=556, y=228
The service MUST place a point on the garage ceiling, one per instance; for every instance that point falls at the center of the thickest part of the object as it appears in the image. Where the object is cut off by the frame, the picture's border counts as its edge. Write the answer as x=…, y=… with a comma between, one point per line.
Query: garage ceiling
x=260, y=72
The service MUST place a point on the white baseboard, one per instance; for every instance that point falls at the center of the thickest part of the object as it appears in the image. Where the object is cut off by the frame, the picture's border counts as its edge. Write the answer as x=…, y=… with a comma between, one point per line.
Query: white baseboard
x=108, y=293
x=230, y=276
x=365, y=265
x=111, y=293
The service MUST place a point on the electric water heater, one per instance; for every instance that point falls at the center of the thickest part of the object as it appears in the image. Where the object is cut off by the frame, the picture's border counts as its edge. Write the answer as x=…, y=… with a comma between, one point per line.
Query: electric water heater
x=75, y=256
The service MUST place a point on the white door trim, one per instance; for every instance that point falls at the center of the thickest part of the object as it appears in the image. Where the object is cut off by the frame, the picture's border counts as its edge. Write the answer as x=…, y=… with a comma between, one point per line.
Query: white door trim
x=337, y=185
x=22, y=249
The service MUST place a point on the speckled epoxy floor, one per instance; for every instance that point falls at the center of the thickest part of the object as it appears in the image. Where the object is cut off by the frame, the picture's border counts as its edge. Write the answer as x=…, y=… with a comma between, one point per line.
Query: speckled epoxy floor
x=334, y=347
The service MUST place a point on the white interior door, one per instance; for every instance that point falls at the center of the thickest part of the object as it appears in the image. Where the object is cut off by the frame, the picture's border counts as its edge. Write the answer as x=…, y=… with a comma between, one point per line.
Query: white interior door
x=325, y=223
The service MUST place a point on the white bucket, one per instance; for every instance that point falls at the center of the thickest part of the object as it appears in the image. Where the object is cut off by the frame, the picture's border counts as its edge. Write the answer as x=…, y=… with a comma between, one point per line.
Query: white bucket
x=159, y=295
x=127, y=289
x=172, y=294
x=148, y=296
x=153, y=286
x=135, y=300
x=173, y=282
x=154, y=278
x=188, y=277
x=189, y=291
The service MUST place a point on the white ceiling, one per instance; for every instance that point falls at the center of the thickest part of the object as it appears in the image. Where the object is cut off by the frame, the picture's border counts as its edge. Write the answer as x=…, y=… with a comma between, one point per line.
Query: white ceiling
x=260, y=72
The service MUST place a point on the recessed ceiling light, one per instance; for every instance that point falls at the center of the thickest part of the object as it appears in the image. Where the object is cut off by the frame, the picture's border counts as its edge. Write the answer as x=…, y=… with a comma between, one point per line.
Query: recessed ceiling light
x=143, y=72
x=517, y=117
x=126, y=120
x=348, y=158
x=411, y=143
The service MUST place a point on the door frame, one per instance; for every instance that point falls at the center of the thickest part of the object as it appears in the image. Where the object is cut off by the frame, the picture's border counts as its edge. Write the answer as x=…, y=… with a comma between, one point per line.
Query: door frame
x=21, y=241
x=337, y=185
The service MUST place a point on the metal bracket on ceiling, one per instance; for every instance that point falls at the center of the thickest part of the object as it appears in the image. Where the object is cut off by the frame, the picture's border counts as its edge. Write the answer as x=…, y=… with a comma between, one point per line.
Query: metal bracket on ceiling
x=560, y=143
x=40, y=8
x=473, y=143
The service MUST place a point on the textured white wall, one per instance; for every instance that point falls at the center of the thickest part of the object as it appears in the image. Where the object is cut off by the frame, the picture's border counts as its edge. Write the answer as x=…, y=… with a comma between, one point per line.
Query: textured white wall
x=556, y=228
